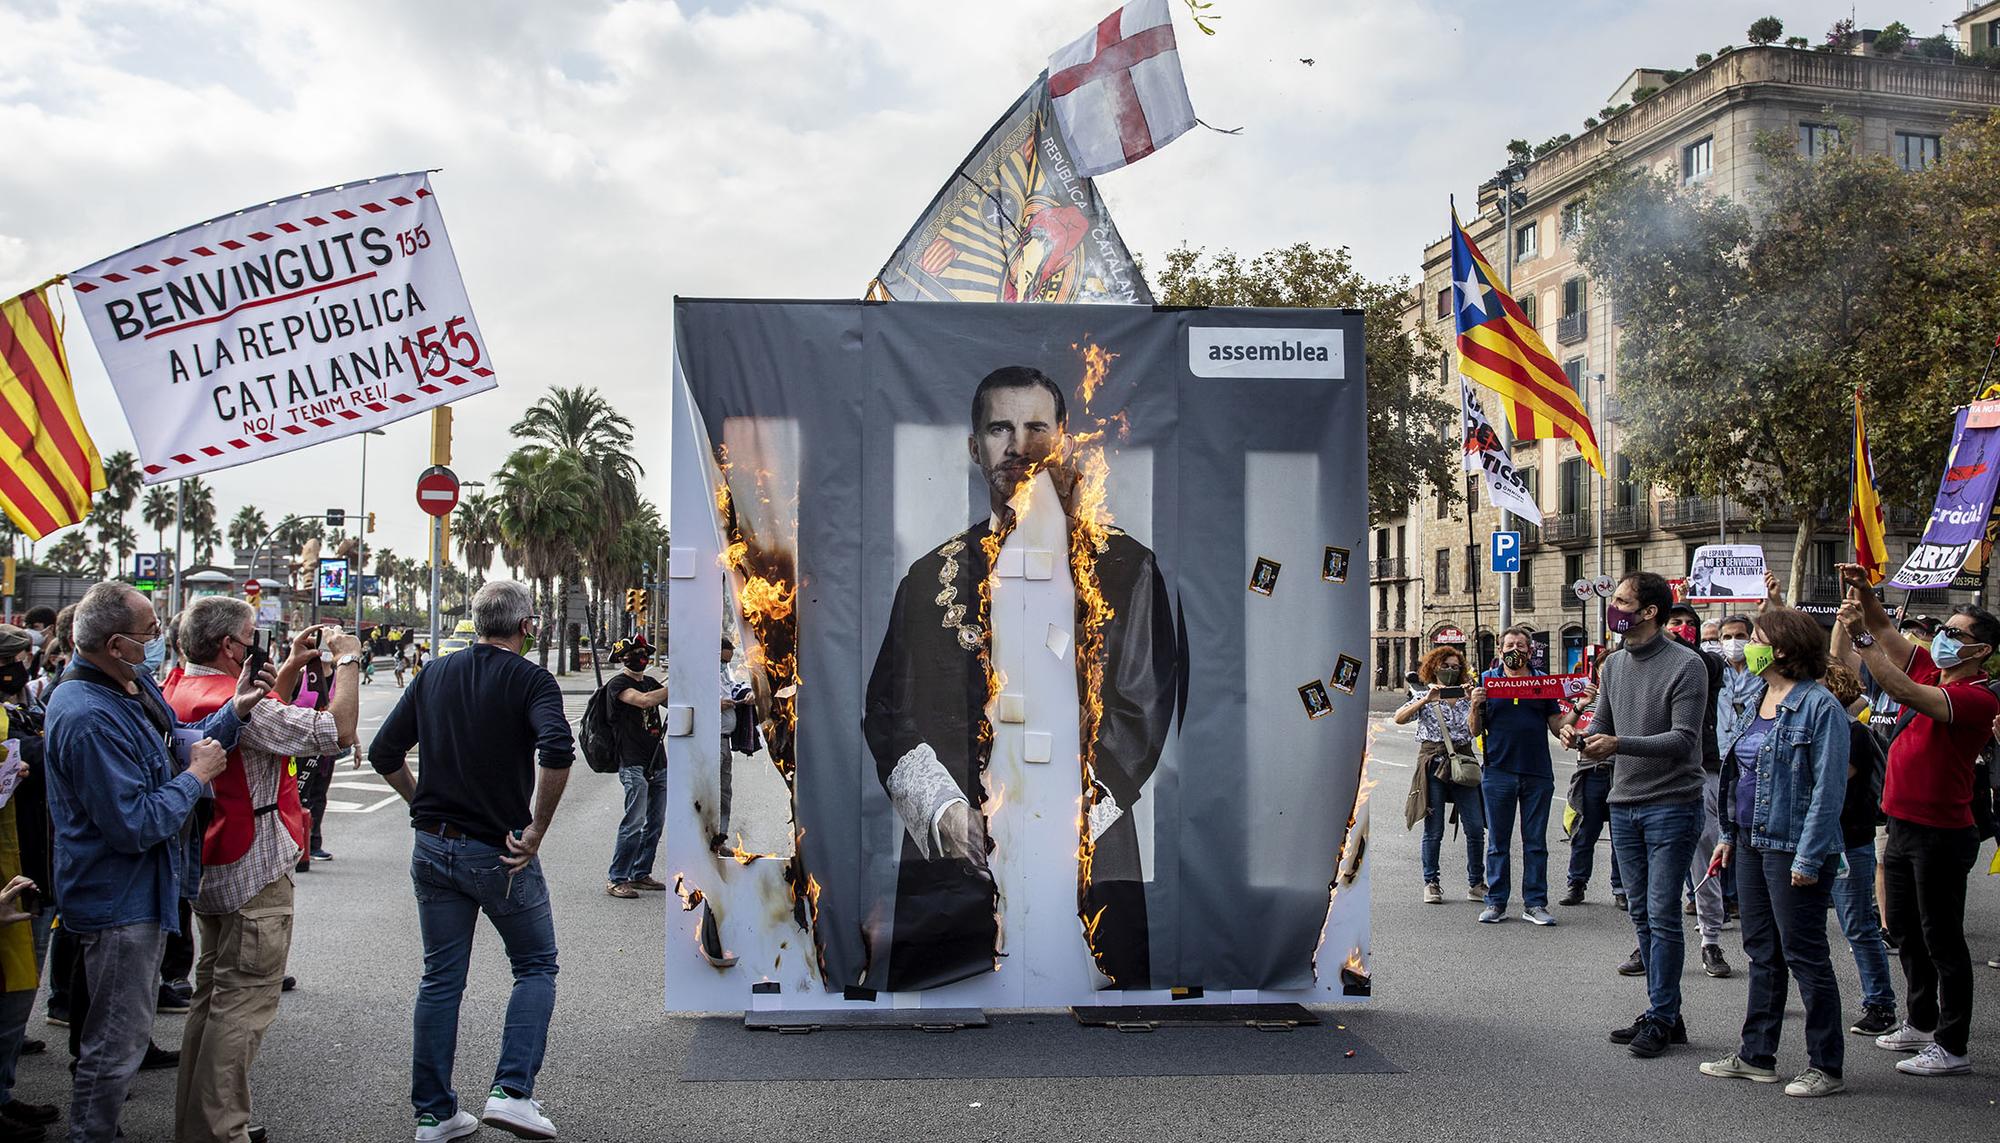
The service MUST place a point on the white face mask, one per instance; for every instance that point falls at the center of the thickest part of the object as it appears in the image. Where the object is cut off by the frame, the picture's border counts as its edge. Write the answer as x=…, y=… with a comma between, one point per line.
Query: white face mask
x=1712, y=646
x=1733, y=648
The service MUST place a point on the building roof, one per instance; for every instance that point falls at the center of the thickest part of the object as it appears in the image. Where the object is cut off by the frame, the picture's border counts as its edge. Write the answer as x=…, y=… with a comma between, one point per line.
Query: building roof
x=1977, y=13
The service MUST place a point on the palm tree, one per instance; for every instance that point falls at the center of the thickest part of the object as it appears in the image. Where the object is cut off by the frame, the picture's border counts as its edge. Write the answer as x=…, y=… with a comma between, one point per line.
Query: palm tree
x=70, y=555
x=158, y=512
x=118, y=539
x=122, y=480
x=198, y=510
x=579, y=423
x=476, y=526
x=246, y=529
x=543, y=493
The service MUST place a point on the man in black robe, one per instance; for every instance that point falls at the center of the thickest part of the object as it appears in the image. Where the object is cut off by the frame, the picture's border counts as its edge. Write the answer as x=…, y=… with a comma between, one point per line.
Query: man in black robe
x=926, y=723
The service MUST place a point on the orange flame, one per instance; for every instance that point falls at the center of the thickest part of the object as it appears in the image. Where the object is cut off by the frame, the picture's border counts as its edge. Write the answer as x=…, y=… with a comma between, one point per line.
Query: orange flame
x=765, y=601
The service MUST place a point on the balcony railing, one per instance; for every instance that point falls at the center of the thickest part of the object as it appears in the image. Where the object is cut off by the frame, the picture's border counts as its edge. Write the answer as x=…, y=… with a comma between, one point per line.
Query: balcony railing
x=1531, y=533
x=1566, y=528
x=1820, y=589
x=1572, y=328
x=1906, y=518
x=1628, y=519
x=1698, y=513
x=1930, y=597
x=1395, y=567
x=1524, y=596
x=1382, y=621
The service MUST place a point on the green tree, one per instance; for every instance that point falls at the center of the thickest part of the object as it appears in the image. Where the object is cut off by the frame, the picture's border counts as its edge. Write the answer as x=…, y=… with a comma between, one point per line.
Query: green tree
x=1743, y=336
x=1766, y=30
x=543, y=493
x=476, y=528
x=159, y=513
x=198, y=509
x=71, y=555
x=1405, y=412
x=577, y=422
x=246, y=528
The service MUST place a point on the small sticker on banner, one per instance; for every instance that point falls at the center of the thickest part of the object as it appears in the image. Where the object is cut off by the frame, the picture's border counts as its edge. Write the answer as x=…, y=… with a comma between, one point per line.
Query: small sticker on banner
x=1333, y=566
x=1346, y=674
x=1264, y=577
x=1058, y=642
x=1317, y=701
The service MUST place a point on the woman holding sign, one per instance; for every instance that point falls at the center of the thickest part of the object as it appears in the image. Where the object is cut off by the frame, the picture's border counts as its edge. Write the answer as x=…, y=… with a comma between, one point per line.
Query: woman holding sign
x=1444, y=759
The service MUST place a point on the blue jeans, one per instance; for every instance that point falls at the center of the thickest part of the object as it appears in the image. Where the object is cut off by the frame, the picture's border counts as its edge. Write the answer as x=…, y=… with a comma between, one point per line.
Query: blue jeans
x=1654, y=844
x=456, y=879
x=1506, y=793
x=121, y=966
x=1471, y=820
x=1596, y=812
x=639, y=831
x=1854, y=901
x=1784, y=937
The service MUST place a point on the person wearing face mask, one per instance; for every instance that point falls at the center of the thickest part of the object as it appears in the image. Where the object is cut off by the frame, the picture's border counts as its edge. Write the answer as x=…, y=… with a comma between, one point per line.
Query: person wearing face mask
x=1785, y=784
x=1443, y=730
x=1650, y=714
x=1927, y=796
x=634, y=699
x=1519, y=777
x=497, y=749
x=1706, y=897
x=119, y=803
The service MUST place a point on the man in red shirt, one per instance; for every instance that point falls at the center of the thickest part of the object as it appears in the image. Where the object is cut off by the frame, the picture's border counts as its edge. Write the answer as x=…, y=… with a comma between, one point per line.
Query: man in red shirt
x=1927, y=797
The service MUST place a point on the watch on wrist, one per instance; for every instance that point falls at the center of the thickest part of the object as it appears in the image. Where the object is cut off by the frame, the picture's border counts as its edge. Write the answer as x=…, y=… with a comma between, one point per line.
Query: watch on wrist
x=345, y=660
x=1864, y=640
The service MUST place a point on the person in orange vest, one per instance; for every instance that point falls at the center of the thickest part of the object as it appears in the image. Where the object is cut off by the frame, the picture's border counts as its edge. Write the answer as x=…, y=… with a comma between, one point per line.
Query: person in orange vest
x=253, y=839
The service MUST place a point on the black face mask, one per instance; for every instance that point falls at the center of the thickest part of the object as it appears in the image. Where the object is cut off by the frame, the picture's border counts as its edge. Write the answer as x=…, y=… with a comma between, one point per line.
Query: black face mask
x=13, y=678
x=637, y=662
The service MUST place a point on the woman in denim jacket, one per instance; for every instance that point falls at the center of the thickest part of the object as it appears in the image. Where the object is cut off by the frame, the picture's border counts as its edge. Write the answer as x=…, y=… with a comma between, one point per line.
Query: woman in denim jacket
x=1784, y=778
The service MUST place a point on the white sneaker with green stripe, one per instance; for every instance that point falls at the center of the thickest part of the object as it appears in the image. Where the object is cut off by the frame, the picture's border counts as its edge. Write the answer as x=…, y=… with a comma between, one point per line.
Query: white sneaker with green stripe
x=519, y=1117
x=461, y=1124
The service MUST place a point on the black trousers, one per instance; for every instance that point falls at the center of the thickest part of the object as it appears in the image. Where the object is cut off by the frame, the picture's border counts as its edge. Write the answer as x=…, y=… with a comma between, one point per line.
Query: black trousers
x=1923, y=873
x=313, y=787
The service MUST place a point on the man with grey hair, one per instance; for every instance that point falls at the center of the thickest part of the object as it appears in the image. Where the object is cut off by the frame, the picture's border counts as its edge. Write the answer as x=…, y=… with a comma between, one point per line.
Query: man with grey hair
x=253, y=838
x=485, y=716
x=119, y=800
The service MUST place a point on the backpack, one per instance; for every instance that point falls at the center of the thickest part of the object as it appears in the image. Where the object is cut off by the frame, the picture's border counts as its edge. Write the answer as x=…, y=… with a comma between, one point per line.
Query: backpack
x=595, y=735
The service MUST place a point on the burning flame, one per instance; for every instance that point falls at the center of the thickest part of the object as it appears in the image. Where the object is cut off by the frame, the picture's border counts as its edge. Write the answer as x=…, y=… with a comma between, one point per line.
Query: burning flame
x=766, y=601
x=1096, y=364
x=689, y=895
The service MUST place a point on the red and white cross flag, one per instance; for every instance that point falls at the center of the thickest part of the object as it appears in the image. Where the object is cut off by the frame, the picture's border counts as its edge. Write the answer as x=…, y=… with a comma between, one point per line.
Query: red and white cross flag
x=1118, y=90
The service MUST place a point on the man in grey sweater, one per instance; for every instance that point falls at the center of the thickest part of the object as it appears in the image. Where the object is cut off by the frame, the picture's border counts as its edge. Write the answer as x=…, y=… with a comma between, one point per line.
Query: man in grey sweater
x=1653, y=699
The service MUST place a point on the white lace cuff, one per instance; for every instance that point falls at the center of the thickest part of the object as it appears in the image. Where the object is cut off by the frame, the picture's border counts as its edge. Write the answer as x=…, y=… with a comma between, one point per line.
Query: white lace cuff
x=922, y=789
x=1102, y=814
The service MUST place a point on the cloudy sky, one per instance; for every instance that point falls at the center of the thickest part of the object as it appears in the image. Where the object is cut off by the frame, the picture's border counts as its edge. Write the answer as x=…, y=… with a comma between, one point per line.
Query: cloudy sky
x=599, y=158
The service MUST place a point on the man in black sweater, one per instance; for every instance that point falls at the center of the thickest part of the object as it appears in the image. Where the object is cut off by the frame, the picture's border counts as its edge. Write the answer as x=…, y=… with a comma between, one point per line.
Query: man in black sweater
x=486, y=716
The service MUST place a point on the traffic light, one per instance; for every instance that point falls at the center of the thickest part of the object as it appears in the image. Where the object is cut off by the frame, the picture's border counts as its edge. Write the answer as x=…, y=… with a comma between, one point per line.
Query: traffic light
x=336, y=517
x=7, y=576
x=371, y=521
x=632, y=600
x=643, y=598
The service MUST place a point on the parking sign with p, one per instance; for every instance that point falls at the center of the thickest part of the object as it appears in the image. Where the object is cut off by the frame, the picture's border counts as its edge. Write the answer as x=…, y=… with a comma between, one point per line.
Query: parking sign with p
x=1506, y=551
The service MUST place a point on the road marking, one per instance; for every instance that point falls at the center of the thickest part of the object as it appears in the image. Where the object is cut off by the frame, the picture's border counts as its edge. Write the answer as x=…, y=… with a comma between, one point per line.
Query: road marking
x=337, y=807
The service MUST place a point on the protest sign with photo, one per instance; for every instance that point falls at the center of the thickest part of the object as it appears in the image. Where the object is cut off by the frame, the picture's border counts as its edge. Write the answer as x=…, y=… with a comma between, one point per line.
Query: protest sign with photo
x=1726, y=573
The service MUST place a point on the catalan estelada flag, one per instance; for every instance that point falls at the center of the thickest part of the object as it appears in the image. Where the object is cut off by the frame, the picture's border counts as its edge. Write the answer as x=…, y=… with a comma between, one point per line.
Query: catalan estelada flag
x=1864, y=511
x=1499, y=348
x=49, y=467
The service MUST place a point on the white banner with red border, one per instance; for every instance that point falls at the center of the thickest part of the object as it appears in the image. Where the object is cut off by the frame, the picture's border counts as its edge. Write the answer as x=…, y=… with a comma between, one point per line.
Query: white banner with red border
x=285, y=325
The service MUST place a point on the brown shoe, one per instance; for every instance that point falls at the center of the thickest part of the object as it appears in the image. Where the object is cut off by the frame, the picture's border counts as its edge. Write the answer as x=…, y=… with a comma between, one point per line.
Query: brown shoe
x=620, y=889
x=648, y=884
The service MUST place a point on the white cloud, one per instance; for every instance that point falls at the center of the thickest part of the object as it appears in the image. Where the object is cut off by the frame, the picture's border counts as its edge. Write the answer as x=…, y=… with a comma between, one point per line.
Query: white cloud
x=600, y=157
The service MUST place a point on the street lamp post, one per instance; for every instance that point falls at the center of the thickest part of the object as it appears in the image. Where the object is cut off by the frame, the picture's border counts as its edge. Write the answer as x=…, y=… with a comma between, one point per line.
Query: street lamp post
x=1511, y=174
x=361, y=528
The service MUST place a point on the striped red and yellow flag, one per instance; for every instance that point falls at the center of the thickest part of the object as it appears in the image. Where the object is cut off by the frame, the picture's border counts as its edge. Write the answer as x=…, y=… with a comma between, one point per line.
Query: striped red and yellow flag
x=51, y=465
x=1499, y=348
x=1864, y=511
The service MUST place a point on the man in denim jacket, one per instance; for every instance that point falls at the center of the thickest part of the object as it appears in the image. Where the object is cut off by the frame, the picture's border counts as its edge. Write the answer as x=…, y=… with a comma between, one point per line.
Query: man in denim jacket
x=119, y=804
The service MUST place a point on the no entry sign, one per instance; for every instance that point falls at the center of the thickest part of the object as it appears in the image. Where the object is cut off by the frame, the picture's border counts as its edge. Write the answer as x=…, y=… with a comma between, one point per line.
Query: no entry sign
x=437, y=490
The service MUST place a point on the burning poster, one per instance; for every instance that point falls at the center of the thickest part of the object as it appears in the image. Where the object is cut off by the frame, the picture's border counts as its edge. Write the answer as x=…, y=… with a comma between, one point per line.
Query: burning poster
x=1024, y=739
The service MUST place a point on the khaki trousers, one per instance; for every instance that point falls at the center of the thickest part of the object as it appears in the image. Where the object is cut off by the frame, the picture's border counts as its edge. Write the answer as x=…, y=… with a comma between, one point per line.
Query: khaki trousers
x=237, y=982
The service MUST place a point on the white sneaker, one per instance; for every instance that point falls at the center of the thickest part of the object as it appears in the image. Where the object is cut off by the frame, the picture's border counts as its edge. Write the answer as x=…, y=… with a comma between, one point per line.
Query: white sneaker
x=1934, y=1061
x=1904, y=1039
x=521, y=1118
x=429, y=1130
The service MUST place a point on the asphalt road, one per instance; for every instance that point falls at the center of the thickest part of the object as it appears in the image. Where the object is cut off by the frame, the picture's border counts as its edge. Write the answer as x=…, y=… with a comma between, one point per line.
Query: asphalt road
x=1500, y=1029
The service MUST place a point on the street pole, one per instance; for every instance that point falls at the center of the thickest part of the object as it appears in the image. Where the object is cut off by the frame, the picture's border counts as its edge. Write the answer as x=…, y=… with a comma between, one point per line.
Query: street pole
x=659, y=605
x=1506, y=426
x=1597, y=420
x=361, y=530
x=437, y=559
x=180, y=520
